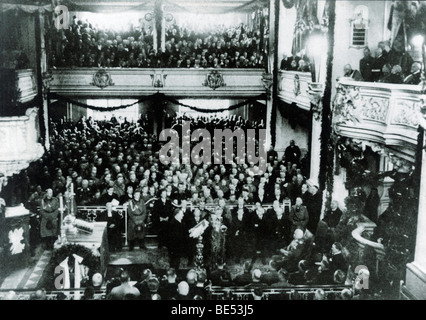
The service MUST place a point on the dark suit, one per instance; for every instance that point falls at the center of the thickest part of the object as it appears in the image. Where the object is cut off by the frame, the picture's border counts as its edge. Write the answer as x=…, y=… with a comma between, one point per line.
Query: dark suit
x=259, y=232
x=299, y=217
x=243, y=279
x=314, y=210
x=377, y=65
x=365, y=67
x=292, y=154
x=278, y=229
x=414, y=78
x=237, y=235
x=137, y=216
x=337, y=262
x=332, y=218
x=262, y=200
x=189, y=222
x=355, y=75
x=115, y=227
x=178, y=246
x=161, y=214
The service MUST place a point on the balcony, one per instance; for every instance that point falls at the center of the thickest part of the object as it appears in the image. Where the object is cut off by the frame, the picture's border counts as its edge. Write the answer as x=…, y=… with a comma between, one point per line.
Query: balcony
x=293, y=87
x=387, y=114
x=88, y=82
x=19, y=142
x=361, y=235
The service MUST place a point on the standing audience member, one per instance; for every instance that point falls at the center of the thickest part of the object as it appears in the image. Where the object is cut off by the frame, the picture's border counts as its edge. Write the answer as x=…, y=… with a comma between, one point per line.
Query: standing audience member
x=137, y=216
x=161, y=214
x=49, y=217
x=299, y=215
x=332, y=216
x=115, y=228
x=177, y=232
x=292, y=153
x=314, y=207
x=371, y=206
x=366, y=65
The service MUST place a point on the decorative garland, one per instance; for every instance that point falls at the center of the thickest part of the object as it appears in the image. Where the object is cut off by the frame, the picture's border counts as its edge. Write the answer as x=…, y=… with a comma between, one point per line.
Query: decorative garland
x=326, y=170
x=158, y=16
x=158, y=96
x=90, y=260
x=275, y=99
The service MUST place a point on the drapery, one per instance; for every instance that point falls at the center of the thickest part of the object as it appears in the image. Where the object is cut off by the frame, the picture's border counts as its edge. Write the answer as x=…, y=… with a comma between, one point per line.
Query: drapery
x=5, y=7
x=158, y=97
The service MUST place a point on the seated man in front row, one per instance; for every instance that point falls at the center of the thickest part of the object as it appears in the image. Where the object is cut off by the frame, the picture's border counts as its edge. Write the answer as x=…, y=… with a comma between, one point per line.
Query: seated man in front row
x=292, y=254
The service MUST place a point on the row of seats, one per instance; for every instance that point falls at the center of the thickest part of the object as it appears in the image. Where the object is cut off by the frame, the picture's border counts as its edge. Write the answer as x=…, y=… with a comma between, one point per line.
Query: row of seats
x=332, y=292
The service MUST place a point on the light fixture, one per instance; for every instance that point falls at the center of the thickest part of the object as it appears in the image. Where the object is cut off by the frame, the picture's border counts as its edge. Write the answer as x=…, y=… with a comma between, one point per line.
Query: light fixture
x=317, y=45
x=418, y=41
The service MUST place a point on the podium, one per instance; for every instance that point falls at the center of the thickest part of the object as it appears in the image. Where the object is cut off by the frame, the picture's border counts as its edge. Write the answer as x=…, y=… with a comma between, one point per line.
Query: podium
x=17, y=234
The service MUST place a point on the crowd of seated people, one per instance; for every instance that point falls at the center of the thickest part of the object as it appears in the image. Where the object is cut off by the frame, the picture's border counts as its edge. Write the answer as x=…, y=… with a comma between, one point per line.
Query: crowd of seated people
x=298, y=61
x=235, y=47
x=193, y=284
x=386, y=65
x=112, y=160
x=83, y=45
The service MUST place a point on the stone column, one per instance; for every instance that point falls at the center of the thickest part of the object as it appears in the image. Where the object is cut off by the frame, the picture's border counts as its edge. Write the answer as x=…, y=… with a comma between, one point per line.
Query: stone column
x=315, y=147
x=415, y=279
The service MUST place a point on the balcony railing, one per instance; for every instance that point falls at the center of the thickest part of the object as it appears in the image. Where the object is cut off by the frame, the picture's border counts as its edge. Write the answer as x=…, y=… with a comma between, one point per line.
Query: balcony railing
x=293, y=87
x=387, y=114
x=177, y=82
x=19, y=142
x=361, y=235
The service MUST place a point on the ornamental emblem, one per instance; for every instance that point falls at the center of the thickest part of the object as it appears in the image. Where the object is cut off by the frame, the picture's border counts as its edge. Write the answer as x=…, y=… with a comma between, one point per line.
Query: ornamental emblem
x=158, y=80
x=15, y=239
x=296, y=88
x=214, y=80
x=102, y=79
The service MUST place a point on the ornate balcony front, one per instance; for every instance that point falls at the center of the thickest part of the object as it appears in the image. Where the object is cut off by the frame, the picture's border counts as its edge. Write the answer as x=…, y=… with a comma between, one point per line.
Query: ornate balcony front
x=19, y=142
x=294, y=86
x=386, y=114
x=85, y=82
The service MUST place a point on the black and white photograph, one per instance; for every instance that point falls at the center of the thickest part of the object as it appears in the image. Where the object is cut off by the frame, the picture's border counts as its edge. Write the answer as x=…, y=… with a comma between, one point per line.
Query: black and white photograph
x=228, y=151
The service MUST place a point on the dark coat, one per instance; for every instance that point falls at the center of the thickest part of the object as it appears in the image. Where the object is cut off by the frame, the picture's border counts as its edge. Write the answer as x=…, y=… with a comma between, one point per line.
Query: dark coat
x=238, y=233
x=162, y=210
x=365, y=67
x=332, y=218
x=414, y=78
x=179, y=234
x=136, y=212
x=49, y=215
x=314, y=210
x=337, y=262
x=278, y=229
x=299, y=217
